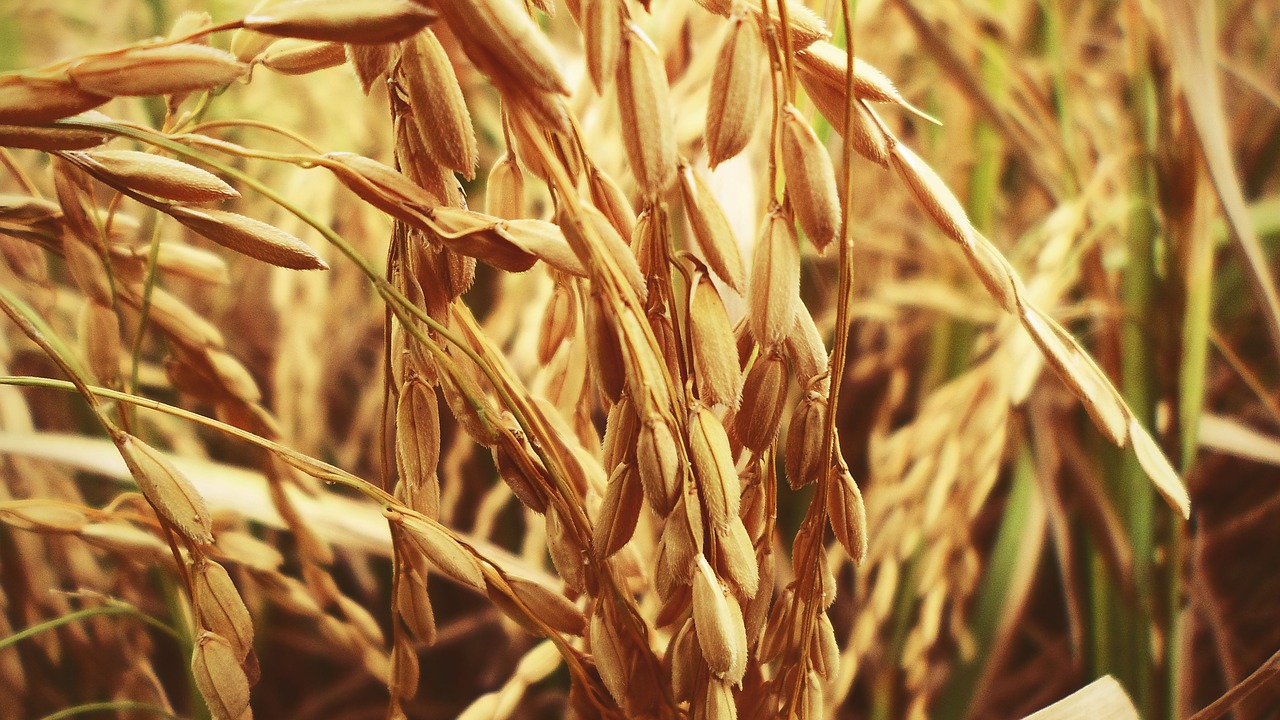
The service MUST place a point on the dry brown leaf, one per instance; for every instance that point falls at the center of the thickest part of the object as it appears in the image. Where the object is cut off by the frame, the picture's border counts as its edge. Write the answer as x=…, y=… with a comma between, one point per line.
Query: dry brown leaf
x=1157, y=467
x=1103, y=699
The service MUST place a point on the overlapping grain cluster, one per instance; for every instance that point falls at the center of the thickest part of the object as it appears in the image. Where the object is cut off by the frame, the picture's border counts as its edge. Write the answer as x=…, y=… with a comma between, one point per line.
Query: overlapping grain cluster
x=671, y=590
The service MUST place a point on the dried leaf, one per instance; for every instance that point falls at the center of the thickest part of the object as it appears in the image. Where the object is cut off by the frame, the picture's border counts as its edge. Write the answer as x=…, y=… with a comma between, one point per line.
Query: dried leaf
x=1103, y=699
x=1080, y=373
x=42, y=516
x=1157, y=467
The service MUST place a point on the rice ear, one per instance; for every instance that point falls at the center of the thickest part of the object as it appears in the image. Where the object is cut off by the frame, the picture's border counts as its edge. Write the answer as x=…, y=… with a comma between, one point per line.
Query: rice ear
x=300, y=57
x=437, y=104
x=26, y=100
x=167, y=489
x=360, y=22
x=220, y=677
x=156, y=70
x=51, y=139
x=156, y=175
x=602, y=34
x=249, y=237
x=774, y=291
x=647, y=129
x=737, y=88
x=712, y=230
x=811, y=180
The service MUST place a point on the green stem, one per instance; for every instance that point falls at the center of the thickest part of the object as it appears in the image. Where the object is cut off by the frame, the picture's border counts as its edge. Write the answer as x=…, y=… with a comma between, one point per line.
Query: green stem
x=1061, y=105
x=1103, y=657
x=1133, y=492
x=144, y=307
x=113, y=608
x=905, y=602
x=1002, y=590
x=984, y=180
x=1196, y=260
x=114, y=705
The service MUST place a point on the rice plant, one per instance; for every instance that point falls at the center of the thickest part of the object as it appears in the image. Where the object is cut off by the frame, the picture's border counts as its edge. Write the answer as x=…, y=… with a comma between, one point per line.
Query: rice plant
x=667, y=359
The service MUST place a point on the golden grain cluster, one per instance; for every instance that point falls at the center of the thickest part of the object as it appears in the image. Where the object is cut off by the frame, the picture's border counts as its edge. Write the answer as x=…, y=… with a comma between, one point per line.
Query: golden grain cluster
x=645, y=390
